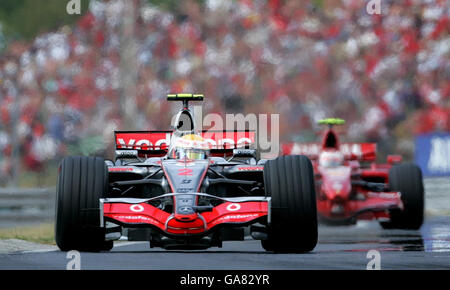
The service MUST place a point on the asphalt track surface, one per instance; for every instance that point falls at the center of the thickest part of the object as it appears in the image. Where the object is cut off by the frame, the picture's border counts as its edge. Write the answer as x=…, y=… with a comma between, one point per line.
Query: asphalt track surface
x=338, y=248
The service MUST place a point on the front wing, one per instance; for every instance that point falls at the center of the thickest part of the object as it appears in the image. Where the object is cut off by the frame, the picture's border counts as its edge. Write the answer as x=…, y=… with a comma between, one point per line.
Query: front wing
x=132, y=212
x=375, y=205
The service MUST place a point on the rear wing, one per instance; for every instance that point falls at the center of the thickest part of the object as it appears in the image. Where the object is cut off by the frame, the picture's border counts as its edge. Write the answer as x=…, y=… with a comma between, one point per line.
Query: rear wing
x=351, y=151
x=156, y=143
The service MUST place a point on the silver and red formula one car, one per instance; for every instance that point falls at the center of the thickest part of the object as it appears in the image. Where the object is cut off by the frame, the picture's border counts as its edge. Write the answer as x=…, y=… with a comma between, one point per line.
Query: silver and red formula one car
x=351, y=186
x=184, y=189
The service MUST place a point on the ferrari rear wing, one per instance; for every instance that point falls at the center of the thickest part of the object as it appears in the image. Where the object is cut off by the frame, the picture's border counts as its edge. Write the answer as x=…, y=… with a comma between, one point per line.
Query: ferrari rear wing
x=351, y=151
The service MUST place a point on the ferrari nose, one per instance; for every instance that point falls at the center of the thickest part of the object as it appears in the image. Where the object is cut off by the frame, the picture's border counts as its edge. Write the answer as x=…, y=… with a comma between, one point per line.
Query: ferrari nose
x=337, y=209
x=337, y=191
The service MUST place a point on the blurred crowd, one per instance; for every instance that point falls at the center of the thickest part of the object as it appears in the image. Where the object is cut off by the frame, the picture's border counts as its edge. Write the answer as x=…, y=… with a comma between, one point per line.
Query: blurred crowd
x=388, y=75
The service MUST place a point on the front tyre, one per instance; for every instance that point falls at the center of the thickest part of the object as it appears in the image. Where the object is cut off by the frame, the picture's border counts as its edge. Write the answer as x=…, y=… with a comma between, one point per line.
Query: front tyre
x=289, y=181
x=407, y=179
x=82, y=181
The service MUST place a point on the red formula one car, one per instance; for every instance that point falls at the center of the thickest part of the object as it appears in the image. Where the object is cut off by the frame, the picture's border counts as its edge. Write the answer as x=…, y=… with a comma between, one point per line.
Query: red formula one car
x=184, y=189
x=351, y=186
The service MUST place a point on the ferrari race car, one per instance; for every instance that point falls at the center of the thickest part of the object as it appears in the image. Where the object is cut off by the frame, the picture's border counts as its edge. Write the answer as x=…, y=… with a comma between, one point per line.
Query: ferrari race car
x=351, y=186
x=184, y=189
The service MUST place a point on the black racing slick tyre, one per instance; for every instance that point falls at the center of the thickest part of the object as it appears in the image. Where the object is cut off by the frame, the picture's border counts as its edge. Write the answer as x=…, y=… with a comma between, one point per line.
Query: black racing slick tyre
x=407, y=179
x=292, y=225
x=82, y=181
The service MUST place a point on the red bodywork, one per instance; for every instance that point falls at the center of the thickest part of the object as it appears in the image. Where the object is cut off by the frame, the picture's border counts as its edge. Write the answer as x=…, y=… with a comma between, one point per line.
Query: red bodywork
x=146, y=214
x=343, y=193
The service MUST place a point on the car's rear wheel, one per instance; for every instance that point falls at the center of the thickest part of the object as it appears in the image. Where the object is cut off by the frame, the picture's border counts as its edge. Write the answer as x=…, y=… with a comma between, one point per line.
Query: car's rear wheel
x=82, y=181
x=289, y=181
x=407, y=179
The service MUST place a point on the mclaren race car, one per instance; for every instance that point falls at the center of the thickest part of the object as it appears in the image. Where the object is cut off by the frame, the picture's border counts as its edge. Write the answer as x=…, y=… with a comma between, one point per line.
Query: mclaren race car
x=184, y=189
x=351, y=186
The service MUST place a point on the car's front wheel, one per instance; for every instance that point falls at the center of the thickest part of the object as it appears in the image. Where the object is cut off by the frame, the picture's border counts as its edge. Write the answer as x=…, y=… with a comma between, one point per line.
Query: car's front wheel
x=292, y=228
x=82, y=181
x=407, y=179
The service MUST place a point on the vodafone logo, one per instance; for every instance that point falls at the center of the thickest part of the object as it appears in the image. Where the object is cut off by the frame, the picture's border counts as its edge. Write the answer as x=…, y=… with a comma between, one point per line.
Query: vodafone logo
x=137, y=208
x=150, y=140
x=144, y=143
x=233, y=207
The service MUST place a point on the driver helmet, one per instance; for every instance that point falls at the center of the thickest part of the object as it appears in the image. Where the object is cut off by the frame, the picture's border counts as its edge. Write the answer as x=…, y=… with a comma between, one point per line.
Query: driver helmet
x=192, y=147
x=331, y=158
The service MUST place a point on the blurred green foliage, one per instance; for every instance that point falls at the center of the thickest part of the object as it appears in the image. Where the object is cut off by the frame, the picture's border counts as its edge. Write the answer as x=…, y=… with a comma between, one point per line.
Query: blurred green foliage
x=24, y=19
x=87, y=146
x=167, y=4
x=172, y=5
x=318, y=3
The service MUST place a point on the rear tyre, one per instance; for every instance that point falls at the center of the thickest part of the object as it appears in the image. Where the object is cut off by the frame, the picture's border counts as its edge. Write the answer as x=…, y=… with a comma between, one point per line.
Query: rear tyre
x=82, y=181
x=289, y=181
x=407, y=179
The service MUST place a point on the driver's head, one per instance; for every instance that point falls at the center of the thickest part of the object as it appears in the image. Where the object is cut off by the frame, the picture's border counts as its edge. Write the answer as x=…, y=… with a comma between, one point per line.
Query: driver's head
x=331, y=158
x=191, y=147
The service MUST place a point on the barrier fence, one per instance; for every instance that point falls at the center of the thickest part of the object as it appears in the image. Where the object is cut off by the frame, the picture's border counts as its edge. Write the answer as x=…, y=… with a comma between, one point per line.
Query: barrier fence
x=26, y=206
